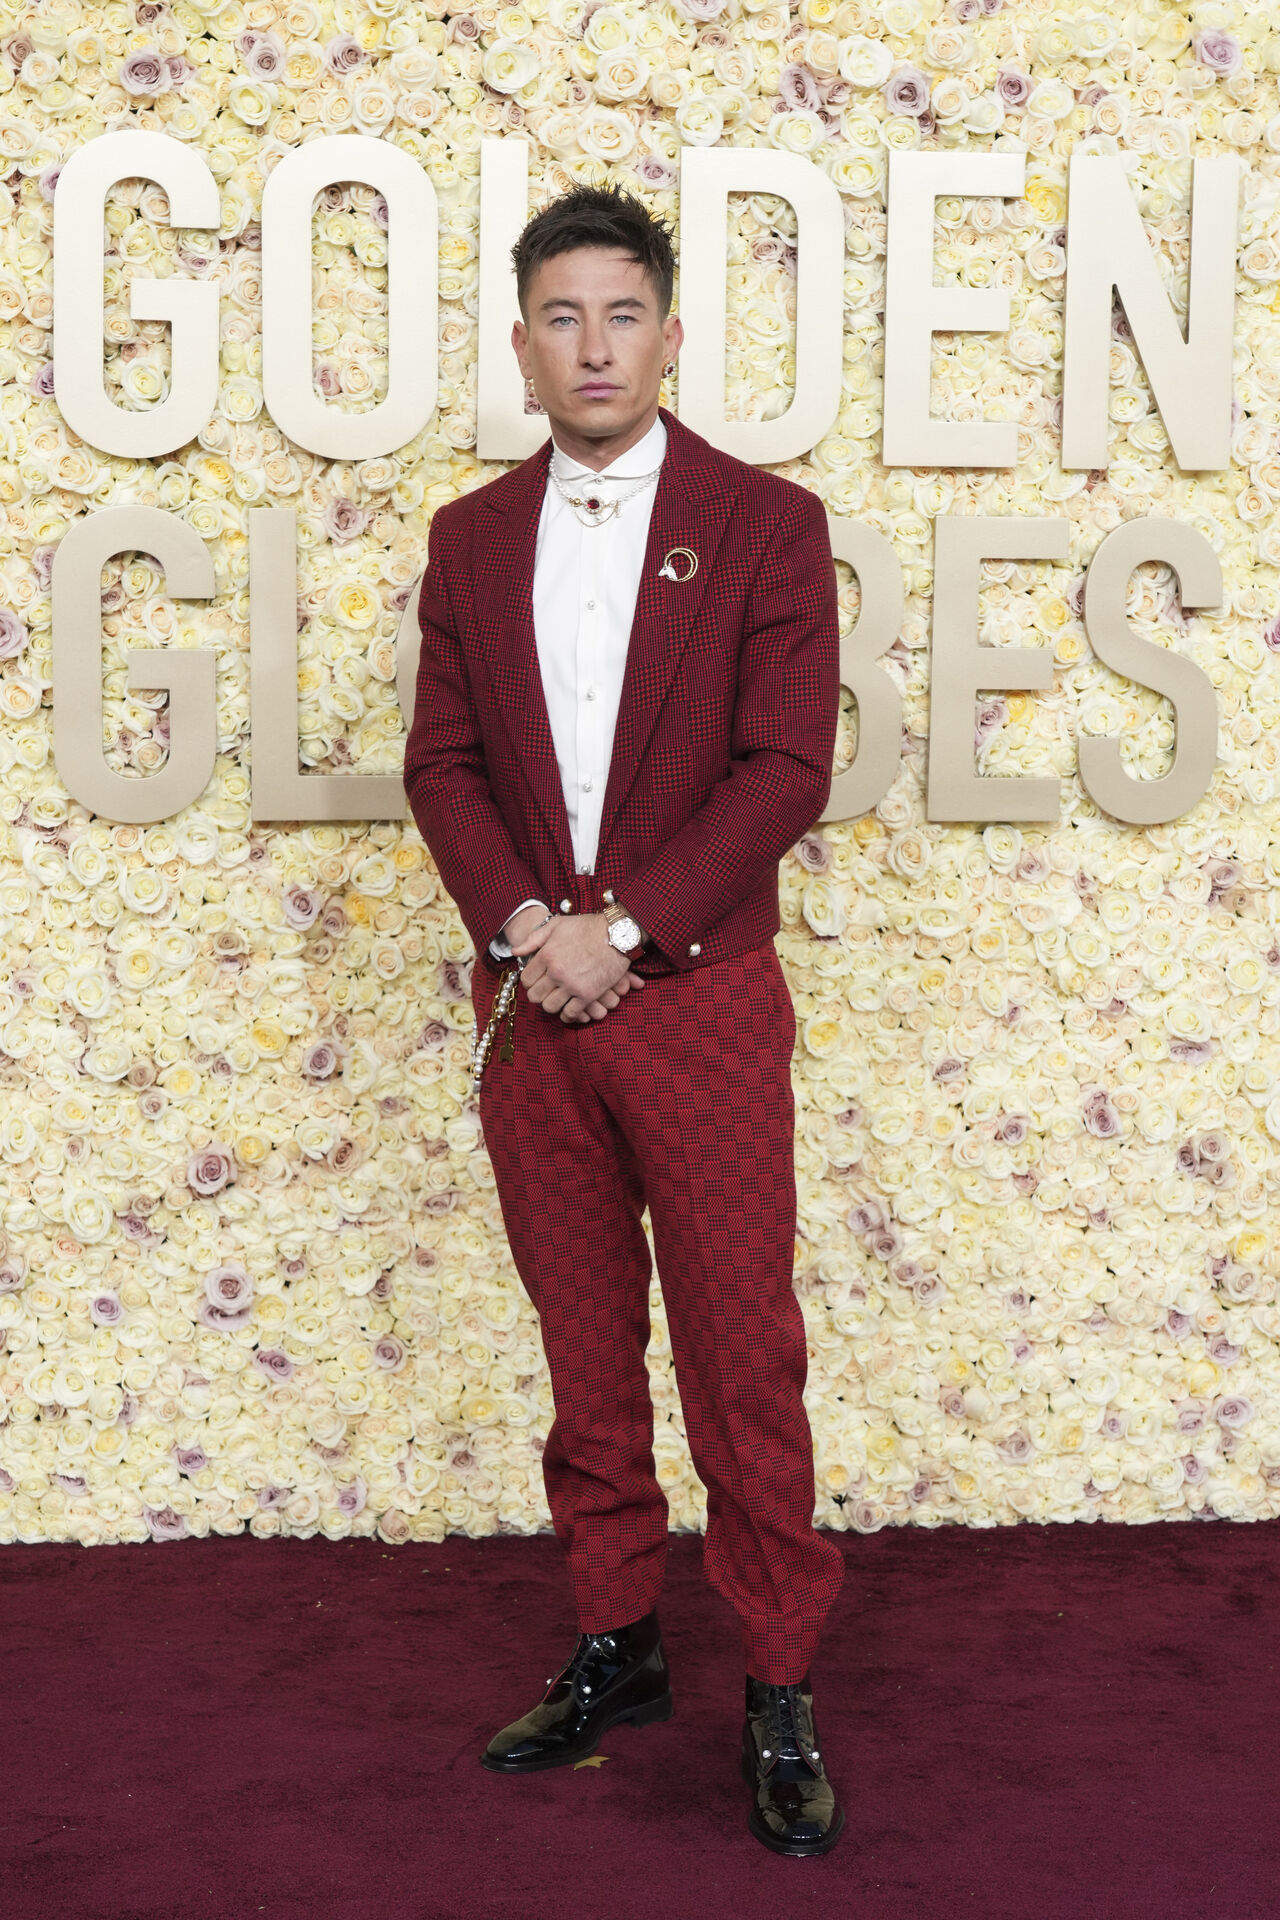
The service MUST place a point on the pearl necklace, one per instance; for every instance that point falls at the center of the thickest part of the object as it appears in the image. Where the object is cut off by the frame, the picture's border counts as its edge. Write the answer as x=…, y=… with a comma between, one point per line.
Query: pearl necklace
x=597, y=507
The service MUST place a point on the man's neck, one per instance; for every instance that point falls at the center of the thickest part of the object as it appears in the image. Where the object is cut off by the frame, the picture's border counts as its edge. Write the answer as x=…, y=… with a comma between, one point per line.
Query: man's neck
x=597, y=453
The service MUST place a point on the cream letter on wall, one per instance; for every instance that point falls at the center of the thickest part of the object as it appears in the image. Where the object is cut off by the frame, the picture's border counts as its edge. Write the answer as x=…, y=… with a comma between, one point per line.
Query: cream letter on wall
x=77, y=666
x=962, y=667
x=1143, y=803
x=864, y=784
x=281, y=791
x=504, y=431
x=412, y=334
x=190, y=306
x=915, y=310
x=1107, y=248
x=707, y=177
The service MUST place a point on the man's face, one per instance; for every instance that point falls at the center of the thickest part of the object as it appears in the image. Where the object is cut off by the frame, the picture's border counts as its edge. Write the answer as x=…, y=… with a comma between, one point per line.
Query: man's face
x=594, y=344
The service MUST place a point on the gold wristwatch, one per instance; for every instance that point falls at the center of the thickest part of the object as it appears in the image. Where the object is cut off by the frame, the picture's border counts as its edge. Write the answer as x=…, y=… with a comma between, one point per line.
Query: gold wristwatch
x=621, y=930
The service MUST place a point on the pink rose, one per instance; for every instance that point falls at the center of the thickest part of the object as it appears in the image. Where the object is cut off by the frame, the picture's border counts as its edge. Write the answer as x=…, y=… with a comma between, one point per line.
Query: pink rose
x=813, y=853
x=228, y=1287
x=343, y=54
x=886, y=1242
x=265, y=58
x=1219, y=51
x=164, y=1523
x=210, y=1170
x=301, y=907
x=798, y=86
x=656, y=171
x=1013, y=89
x=146, y=71
x=320, y=1061
x=274, y=1363
x=344, y=521
x=907, y=91
x=990, y=715
x=866, y=1217
x=455, y=979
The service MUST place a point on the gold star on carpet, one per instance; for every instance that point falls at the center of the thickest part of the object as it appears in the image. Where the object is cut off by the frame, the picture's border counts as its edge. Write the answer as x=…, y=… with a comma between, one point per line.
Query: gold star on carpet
x=594, y=1760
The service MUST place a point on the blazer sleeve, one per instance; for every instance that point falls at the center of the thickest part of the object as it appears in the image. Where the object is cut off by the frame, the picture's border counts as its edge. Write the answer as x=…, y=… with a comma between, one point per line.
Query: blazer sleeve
x=783, y=740
x=445, y=777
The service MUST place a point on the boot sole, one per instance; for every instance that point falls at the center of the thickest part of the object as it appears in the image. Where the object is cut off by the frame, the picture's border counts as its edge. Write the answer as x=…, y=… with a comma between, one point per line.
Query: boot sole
x=796, y=1848
x=642, y=1715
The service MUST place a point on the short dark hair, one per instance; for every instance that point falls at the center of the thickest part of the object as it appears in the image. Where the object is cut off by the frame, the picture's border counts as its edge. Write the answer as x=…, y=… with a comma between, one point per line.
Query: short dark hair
x=597, y=217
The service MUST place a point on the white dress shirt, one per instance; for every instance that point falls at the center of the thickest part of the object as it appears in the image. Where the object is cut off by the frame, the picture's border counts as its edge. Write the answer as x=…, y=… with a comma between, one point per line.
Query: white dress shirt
x=585, y=582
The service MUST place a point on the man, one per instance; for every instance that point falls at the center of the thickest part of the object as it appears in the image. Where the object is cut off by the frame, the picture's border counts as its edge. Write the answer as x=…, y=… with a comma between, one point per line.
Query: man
x=625, y=714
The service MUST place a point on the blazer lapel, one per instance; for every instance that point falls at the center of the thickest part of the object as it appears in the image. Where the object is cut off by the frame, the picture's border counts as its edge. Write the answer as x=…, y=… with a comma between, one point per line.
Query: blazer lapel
x=503, y=555
x=691, y=508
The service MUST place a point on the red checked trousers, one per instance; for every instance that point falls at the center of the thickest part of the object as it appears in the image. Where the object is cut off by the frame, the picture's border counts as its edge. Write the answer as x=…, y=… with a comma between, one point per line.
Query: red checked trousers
x=681, y=1098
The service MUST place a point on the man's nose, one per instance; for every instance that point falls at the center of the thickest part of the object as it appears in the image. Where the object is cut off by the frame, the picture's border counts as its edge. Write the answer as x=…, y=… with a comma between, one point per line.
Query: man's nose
x=594, y=345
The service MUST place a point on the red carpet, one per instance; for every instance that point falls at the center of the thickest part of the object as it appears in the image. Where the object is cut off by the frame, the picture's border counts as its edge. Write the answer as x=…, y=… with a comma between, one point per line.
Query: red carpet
x=1029, y=1723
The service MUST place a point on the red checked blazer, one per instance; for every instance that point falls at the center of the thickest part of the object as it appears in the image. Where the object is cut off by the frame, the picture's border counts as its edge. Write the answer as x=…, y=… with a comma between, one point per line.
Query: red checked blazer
x=726, y=725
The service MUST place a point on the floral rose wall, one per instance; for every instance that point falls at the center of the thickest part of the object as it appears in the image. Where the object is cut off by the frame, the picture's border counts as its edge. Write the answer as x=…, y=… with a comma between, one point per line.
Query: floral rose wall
x=253, y=1271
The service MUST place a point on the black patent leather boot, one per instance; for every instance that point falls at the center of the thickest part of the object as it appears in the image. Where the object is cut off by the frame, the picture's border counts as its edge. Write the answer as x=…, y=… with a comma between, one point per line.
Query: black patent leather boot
x=795, y=1808
x=611, y=1677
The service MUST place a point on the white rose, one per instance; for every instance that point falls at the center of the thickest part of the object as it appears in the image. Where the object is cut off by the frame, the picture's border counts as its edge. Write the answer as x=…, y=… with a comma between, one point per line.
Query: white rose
x=863, y=62
x=507, y=66
x=604, y=135
x=1052, y=99
x=700, y=121
x=89, y=1217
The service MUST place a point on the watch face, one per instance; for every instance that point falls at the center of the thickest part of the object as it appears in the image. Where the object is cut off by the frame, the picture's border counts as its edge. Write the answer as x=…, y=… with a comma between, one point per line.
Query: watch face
x=624, y=934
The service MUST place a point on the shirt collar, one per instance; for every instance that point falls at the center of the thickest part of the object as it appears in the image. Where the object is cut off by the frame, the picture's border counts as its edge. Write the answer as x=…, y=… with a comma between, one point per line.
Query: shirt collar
x=643, y=457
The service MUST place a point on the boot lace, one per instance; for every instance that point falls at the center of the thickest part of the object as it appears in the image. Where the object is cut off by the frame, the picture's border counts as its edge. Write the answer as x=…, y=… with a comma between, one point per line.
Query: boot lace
x=783, y=1723
x=589, y=1648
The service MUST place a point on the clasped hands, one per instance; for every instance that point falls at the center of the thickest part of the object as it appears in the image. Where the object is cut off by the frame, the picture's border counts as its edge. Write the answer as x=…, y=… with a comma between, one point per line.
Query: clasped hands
x=569, y=966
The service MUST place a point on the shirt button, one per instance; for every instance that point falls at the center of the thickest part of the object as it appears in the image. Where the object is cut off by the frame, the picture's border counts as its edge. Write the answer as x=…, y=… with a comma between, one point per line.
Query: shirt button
x=591, y=603
x=584, y=869
x=591, y=693
x=694, y=951
x=586, y=786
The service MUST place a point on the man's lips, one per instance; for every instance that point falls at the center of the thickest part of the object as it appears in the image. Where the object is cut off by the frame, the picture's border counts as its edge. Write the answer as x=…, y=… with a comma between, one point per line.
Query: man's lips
x=598, y=386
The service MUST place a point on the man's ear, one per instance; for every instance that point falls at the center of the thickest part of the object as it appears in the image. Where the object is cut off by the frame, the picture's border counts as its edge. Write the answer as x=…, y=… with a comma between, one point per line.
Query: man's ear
x=520, y=344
